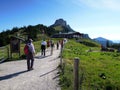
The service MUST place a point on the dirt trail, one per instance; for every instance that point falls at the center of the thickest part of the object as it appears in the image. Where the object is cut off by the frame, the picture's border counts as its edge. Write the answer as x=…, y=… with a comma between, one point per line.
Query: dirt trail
x=14, y=75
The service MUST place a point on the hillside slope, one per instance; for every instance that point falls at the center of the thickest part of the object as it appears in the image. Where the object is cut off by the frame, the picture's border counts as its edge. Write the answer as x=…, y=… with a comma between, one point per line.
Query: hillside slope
x=97, y=70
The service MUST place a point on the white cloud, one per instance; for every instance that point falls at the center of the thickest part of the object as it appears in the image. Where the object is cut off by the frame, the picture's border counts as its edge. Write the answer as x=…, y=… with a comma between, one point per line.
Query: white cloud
x=102, y=4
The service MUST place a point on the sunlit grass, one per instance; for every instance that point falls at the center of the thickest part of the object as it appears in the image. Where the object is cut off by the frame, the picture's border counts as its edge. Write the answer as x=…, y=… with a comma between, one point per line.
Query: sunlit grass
x=3, y=52
x=92, y=66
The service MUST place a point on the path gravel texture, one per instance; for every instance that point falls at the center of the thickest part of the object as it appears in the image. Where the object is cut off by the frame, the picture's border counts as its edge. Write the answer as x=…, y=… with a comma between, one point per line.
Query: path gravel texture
x=14, y=74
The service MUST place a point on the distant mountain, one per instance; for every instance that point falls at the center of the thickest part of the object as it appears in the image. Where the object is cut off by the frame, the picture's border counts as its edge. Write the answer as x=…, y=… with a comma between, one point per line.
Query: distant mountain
x=116, y=41
x=103, y=41
x=62, y=26
x=100, y=39
x=86, y=36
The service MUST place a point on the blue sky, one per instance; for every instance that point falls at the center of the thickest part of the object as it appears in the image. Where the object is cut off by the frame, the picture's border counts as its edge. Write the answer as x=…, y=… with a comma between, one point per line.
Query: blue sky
x=98, y=18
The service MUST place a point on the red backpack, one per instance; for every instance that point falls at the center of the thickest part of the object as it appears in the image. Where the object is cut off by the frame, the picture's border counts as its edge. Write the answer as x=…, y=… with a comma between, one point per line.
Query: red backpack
x=26, y=49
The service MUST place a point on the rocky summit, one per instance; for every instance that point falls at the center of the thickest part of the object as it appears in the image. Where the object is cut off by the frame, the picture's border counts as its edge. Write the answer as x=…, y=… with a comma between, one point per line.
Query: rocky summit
x=61, y=23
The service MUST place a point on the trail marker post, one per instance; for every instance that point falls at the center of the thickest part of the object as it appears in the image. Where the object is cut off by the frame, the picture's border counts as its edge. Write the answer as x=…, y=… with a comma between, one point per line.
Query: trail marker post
x=76, y=73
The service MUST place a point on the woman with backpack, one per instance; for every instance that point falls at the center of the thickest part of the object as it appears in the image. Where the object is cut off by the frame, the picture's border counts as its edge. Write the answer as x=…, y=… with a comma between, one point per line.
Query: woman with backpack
x=30, y=52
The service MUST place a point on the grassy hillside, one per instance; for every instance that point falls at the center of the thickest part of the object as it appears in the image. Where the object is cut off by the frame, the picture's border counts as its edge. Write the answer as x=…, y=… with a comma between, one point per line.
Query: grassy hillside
x=98, y=70
x=58, y=28
x=62, y=29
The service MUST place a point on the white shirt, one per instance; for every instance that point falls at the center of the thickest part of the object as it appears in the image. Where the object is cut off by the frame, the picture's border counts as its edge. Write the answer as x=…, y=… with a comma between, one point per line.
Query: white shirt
x=43, y=43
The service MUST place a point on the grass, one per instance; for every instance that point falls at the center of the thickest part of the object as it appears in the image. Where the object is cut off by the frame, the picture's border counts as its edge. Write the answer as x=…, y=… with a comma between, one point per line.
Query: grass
x=3, y=52
x=58, y=28
x=15, y=56
x=98, y=70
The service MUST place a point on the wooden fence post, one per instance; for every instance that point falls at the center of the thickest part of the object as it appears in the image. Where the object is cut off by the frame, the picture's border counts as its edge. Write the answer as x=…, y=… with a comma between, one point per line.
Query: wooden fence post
x=61, y=57
x=8, y=52
x=76, y=73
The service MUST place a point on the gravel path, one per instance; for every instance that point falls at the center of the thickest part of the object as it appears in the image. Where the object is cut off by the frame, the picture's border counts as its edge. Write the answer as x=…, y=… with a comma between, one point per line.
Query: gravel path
x=14, y=75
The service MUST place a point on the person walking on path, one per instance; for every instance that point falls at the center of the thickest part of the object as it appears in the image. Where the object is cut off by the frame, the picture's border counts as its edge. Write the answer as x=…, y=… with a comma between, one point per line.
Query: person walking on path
x=52, y=46
x=48, y=43
x=43, y=47
x=57, y=45
x=61, y=44
x=30, y=55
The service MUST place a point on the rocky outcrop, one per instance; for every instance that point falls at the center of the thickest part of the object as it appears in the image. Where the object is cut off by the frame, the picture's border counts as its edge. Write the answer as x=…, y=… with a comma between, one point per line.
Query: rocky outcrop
x=60, y=22
x=63, y=24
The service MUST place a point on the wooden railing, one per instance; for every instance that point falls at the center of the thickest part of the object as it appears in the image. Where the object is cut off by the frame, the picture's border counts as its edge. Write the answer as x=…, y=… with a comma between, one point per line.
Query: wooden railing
x=4, y=53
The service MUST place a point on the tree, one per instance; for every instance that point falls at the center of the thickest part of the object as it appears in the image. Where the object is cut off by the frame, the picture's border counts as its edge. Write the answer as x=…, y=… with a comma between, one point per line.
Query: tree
x=31, y=31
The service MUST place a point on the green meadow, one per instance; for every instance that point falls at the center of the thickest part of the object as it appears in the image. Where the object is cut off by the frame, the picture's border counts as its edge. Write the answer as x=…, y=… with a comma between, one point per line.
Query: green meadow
x=3, y=52
x=97, y=70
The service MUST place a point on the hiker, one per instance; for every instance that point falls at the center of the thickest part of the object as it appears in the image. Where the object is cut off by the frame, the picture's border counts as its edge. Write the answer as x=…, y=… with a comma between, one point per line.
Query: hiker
x=52, y=46
x=57, y=45
x=48, y=43
x=61, y=44
x=43, y=47
x=30, y=54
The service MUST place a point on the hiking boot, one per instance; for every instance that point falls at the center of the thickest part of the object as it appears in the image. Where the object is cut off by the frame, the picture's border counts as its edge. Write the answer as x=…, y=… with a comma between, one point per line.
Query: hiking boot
x=31, y=68
x=28, y=70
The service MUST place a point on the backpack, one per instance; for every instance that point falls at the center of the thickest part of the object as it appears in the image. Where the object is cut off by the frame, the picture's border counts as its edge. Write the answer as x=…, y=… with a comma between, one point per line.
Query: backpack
x=26, y=49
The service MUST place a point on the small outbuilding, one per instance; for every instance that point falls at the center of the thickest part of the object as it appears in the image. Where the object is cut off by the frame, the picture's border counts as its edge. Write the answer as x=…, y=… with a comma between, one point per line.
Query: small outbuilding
x=15, y=45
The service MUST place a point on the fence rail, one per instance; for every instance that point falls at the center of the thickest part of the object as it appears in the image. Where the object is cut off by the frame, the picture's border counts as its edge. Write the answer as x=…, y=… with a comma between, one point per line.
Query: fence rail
x=4, y=53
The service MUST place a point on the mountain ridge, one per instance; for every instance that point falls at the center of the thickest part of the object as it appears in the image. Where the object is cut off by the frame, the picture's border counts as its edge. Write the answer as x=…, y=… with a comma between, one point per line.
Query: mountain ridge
x=61, y=23
x=103, y=41
x=36, y=31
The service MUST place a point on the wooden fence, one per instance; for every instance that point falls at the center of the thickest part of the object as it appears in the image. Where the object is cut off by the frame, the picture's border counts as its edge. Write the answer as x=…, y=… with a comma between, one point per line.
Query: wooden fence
x=4, y=53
